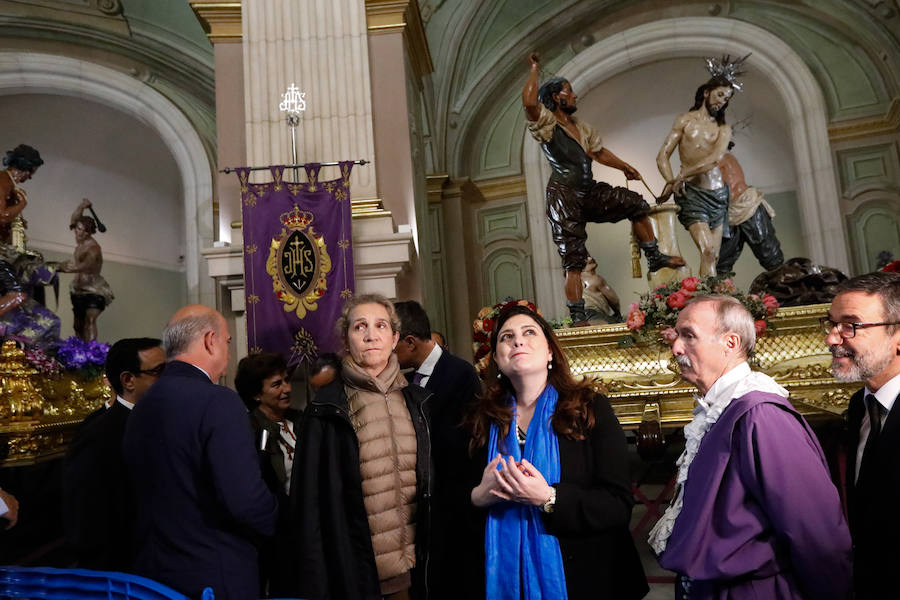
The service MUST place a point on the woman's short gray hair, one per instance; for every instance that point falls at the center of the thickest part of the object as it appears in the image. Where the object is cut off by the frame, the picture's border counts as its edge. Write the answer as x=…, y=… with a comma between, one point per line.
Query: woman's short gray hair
x=179, y=335
x=731, y=317
x=343, y=324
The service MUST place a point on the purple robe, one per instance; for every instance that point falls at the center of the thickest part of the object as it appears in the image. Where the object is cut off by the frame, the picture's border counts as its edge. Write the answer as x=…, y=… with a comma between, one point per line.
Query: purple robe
x=761, y=517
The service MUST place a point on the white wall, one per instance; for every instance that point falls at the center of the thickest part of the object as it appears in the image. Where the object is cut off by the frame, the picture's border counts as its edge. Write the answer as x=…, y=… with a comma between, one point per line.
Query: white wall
x=93, y=151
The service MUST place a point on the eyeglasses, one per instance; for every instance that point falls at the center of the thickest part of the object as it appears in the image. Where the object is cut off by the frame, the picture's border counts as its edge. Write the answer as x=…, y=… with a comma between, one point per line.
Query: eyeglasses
x=155, y=371
x=847, y=330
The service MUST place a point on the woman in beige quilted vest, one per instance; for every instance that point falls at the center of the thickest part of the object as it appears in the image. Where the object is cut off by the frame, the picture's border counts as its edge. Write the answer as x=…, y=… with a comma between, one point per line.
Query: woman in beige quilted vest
x=361, y=476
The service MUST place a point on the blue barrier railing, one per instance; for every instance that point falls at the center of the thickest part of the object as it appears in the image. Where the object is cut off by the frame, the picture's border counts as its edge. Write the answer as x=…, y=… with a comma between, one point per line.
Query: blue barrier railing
x=82, y=584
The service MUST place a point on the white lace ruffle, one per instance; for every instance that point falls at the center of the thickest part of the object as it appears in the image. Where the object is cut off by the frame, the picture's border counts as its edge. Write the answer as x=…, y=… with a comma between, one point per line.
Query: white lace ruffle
x=694, y=431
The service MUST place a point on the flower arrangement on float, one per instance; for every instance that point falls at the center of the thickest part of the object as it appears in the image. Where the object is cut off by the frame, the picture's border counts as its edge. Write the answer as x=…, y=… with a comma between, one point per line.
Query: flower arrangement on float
x=73, y=354
x=653, y=317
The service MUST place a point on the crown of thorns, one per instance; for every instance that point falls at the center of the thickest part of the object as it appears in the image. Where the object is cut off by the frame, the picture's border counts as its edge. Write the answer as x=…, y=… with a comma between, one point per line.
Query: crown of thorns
x=728, y=69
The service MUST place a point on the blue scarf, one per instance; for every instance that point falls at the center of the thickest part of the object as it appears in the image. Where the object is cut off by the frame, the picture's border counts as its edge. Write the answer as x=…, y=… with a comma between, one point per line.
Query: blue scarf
x=523, y=560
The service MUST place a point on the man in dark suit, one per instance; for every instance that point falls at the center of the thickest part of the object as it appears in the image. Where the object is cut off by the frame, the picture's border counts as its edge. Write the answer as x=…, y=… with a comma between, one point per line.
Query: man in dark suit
x=98, y=507
x=454, y=385
x=201, y=500
x=862, y=331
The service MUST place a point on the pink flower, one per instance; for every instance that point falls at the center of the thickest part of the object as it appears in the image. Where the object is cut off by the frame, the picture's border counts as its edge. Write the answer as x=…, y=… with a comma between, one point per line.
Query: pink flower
x=690, y=284
x=677, y=299
x=760, y=327
x=770, y=303
x=635, y=318
x=669, y=335
x=753, y=297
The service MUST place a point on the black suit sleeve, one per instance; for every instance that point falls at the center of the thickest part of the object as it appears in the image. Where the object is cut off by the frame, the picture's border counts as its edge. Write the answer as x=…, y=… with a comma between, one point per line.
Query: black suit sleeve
x=606, y=502
x=234, y=466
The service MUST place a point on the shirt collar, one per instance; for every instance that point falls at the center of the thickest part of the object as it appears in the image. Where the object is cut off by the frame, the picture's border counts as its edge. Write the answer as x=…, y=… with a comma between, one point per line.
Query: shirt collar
x=887, y=393
x=721, y=389
x=427, y=366
x=124, y=402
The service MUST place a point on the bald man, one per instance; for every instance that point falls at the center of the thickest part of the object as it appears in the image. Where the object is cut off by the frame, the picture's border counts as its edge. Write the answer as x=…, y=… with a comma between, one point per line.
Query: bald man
x=201, y=499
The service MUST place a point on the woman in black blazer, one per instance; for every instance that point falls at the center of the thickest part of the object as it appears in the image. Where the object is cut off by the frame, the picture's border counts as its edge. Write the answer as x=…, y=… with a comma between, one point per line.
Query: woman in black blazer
x=554, y=497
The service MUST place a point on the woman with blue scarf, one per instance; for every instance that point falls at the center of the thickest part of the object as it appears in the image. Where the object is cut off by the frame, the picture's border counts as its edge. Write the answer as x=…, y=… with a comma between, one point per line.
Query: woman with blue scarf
x=555, y=494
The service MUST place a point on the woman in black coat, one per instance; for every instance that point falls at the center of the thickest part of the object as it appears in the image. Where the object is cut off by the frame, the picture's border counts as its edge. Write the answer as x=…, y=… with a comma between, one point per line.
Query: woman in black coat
x=555, y=488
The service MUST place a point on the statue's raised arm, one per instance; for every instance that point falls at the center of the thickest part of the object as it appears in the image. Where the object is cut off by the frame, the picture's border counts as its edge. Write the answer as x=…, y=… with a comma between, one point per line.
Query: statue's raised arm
x=573, y=197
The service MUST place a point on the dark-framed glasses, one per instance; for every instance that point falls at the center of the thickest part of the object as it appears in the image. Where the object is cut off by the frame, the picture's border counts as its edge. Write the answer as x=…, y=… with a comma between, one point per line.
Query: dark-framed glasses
x=155, y=371
x=848, y=330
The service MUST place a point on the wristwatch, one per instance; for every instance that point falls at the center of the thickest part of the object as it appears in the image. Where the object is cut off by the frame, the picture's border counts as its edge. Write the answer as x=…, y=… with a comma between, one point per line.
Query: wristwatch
x=550, y=504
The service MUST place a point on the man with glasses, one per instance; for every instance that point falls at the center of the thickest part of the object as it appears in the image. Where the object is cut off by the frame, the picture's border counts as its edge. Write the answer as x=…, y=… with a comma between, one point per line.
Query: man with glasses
x=97, y=500
x=862, y=331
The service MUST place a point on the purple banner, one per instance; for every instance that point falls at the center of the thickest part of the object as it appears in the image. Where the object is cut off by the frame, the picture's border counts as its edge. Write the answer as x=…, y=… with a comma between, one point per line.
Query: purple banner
x=298, y=261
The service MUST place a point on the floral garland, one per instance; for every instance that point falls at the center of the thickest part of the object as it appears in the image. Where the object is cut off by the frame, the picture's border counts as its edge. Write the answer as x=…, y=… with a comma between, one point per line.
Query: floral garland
x=483, y=326
x=659, y=308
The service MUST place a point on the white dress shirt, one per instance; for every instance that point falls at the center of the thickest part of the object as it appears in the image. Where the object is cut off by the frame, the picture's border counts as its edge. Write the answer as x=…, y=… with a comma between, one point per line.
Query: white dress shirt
x=427, y=366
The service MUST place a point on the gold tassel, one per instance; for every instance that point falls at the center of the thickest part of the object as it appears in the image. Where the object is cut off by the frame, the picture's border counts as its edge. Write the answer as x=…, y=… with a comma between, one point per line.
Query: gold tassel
x=635, y=257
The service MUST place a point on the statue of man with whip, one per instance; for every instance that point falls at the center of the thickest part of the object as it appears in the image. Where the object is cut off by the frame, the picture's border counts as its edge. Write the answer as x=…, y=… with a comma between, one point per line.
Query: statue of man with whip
x=573, y=197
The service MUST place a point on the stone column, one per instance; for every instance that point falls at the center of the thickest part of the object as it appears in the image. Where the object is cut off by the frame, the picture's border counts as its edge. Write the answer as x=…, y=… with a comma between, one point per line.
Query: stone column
x=322, y=47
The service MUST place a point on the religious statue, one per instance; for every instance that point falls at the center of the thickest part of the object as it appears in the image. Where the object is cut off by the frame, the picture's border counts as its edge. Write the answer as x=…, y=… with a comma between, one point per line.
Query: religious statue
x=22, y=272
x=573, y=197
x=749, y=220
x=21, y=163
x=89, y=291
x=701, y=136
x=599, y=296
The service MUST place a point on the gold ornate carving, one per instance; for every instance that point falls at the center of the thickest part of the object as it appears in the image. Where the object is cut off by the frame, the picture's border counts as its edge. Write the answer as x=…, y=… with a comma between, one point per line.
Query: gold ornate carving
x=793, y=352
x=38, y=415
x=220, y=20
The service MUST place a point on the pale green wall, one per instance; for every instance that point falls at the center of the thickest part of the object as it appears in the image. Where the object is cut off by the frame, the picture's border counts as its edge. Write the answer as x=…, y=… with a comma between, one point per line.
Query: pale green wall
x=145, y=299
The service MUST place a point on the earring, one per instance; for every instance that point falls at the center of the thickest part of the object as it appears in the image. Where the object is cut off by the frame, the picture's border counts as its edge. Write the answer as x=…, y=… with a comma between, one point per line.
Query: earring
x=549, y=365
x=499, y=375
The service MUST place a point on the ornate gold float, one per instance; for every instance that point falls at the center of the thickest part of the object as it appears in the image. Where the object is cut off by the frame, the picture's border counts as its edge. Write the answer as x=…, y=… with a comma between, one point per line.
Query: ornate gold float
x=39, y=414
x=644, y=385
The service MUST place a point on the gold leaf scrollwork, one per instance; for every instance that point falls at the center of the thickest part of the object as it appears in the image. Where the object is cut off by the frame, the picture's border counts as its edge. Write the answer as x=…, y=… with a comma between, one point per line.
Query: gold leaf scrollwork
x=304, y=252
x=304, y=346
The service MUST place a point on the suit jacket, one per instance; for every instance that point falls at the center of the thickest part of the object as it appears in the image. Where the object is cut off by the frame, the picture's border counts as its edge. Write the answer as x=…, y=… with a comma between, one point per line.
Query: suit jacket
x=98, y=506
x=454, y=385
x=201, y=500
x=872, y=504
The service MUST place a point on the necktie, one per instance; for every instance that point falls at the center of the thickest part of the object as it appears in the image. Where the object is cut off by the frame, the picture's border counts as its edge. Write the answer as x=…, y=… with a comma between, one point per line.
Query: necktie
x=417, y=378
x=873, y=408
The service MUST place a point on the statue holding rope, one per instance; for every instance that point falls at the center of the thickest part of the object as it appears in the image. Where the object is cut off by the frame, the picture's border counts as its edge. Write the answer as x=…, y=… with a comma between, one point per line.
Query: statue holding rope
x=573, y=197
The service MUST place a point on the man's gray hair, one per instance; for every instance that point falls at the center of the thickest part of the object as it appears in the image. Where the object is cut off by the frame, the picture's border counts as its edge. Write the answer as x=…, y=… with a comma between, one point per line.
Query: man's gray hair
x=731, y=317
x=884, y=285
x=179, y=335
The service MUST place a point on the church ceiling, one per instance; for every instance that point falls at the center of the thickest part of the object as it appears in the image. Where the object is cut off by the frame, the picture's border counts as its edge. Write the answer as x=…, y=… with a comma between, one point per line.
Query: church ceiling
x=159, y=42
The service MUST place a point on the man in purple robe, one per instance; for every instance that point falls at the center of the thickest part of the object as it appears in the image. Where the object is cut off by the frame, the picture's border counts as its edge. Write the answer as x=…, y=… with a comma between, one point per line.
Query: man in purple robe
x=756, y=514
x=862, y=331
